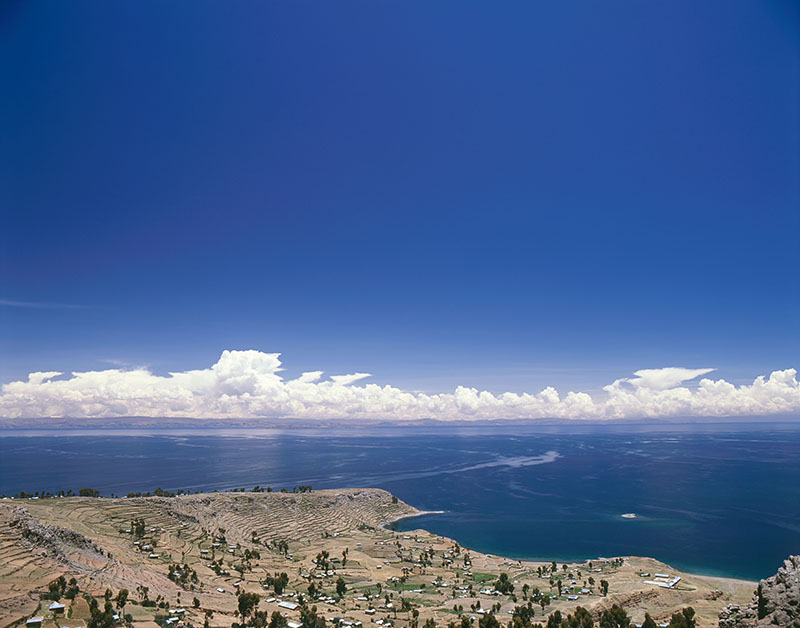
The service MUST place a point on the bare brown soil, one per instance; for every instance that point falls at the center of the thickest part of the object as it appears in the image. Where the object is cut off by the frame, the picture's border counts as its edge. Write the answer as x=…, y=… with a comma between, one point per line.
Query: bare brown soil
x=92, y=540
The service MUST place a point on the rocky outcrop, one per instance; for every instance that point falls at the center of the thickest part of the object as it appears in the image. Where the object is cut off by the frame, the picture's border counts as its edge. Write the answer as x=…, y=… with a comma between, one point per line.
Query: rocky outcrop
x=776, y=602
x=53, y=540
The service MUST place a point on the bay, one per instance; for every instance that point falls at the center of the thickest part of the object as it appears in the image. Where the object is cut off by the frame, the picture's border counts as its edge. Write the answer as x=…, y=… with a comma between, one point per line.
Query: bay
x=714, y=499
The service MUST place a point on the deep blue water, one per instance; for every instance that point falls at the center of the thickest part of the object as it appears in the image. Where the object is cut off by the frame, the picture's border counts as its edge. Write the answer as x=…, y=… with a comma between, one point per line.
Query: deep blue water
x=721, y=500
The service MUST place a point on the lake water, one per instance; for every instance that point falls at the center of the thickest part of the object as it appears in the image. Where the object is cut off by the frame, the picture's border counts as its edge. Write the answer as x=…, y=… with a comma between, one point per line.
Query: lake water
x=722, y=500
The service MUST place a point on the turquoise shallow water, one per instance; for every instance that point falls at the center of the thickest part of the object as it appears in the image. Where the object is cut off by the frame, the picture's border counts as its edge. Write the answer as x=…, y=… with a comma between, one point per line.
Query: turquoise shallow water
x=722, y=500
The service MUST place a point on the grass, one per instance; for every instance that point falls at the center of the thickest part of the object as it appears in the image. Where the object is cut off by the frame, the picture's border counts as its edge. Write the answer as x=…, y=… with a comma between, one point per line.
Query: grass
x=404, y=586
x=483, y=577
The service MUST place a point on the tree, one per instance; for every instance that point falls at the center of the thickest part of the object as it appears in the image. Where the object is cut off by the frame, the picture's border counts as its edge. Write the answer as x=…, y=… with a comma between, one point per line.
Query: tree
x=648, y=622
x=196, y=603
x=683, y=619
x=100, y=619
x=247, y=602
x=488, y=621
x=554, y=621
x=604, y=587
x=121, y=600
x=310, y=619
x=615, y=617
x=278, y=582
x=277, y=620
x=57, y=588
x=72, y=589
x=341, y=587
x=504, y=584
x=580, y=619
x=522, y=616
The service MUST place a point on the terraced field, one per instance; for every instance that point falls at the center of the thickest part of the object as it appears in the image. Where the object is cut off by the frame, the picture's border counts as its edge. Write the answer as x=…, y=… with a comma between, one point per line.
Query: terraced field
x=197, y=552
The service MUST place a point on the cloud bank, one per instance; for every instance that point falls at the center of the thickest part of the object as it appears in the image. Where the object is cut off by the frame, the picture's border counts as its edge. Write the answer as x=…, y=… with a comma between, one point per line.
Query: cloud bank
x=248, y=384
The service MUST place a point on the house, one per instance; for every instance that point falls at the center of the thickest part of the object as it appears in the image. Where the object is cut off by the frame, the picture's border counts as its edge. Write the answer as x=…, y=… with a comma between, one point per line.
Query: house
x=56, y=607
x=289, y=605
x=34, y=622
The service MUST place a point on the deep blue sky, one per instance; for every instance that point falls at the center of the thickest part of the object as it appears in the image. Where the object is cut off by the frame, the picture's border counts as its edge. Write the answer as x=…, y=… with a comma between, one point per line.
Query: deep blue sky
x=504, y=196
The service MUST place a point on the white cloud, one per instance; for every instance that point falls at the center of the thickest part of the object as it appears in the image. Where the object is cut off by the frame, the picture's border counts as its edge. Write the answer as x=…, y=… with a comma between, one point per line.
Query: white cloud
x=668, y=377
x=40, y=305
x=247, y=384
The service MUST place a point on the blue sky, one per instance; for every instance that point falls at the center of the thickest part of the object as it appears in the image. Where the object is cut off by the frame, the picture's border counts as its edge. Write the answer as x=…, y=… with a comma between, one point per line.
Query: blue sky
x=500, y=196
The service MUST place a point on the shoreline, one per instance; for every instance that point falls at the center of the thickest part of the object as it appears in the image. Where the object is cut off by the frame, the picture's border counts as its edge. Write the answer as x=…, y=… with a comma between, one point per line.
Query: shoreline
x=541, y=560
x=288, y=530
x=418, y=513
x=386, y=525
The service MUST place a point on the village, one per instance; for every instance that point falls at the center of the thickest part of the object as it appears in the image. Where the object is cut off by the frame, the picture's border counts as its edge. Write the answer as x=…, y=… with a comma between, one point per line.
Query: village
x=299, y=560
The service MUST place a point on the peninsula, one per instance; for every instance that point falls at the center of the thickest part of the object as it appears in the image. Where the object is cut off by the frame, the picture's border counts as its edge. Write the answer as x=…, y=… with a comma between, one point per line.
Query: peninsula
x=186, y=560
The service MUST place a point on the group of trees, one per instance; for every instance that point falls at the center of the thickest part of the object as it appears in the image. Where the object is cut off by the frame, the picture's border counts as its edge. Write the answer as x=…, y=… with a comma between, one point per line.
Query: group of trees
x=251, y=617
x=138, y=528
x=101, y=618
x=59, y=588
x=278, y=582
x=322, y=561
x=183, y=575
x=160, y=492
x=42, y=494
x=282, y=546
x=504, y=584
x=614, y=617
x=303, y=488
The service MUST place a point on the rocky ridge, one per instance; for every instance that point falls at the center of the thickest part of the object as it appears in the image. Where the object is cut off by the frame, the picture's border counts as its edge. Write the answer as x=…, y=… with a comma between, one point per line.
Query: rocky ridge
x=776, y=602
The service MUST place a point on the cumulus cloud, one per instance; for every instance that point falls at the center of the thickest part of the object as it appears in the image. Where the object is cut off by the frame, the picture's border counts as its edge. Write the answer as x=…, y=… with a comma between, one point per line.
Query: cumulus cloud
x=248, y=384
x=661, y=379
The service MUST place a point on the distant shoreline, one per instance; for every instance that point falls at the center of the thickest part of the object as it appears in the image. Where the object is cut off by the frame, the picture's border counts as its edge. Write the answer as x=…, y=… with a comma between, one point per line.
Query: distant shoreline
x=61, y=424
